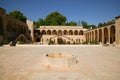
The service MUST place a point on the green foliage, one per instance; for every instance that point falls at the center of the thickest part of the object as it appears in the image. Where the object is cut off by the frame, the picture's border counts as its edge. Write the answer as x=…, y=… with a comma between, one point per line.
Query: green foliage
x=51, y=42
x=55, y=18
x=101, y=24
x=71, y=23
x=85, y=25
x=93, y=26
x=68, y=42
x=21, y=42
x=60, y=41
x=85, y=42
x=94, y=42
x=40, y=22
x=18, y=15
x=105, y=23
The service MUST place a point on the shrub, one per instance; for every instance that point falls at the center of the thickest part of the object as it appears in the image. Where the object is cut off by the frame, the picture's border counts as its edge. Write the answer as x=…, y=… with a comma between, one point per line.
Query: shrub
x=51, y=42
x=85, y=42
x=21, y=42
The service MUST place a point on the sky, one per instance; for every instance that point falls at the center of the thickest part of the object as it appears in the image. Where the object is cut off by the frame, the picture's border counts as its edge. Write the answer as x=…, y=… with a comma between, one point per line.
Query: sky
x=91, y=11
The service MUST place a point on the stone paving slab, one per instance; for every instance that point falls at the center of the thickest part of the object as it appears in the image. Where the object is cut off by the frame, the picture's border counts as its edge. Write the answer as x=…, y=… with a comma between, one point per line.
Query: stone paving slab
x=26, y=62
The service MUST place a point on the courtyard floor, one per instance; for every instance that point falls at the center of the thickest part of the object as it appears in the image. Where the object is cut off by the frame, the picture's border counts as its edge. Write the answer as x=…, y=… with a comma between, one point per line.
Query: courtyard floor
x=26, y=62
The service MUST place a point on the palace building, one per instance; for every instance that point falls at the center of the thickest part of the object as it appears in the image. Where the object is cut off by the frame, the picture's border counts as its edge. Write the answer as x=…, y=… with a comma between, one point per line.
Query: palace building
x=13, y=30
x=68, y=34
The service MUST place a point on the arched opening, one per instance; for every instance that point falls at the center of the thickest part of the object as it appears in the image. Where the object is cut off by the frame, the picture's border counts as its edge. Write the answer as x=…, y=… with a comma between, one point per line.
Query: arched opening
x=54, y=32
x=70, y=32
x=81, y=32
x=100, y=35
x=36, y=32
x=96, y=35
x=76, y=32
x=48, y=32
x=92, y=36
x=43, y=32
x=65, y=32
x=105, y=35
x=112, y=34
x=59, y=32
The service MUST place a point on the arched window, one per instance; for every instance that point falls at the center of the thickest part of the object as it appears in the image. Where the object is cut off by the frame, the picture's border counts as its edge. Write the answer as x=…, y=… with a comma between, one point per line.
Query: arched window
x=75, y=32
x=65, y=32
x=43, y=32
x=59, y=32
x=81, y=32
x=70, y=32
x=48, y=32
x=54, y=32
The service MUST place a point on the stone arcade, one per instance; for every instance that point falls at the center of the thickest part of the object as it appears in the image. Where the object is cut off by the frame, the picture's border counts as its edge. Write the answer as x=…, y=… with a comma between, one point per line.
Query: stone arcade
x=14, y=30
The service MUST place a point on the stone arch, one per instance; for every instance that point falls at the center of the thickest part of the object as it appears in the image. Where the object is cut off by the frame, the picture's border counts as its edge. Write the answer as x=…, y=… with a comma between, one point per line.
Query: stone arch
x=70, y=32
x=75, y=32
x=65, y=32
x=112, y=34
x=96, y=35
x=100, y=35
x=81, y=32
x=43, y=32
x=59, y=32
x=54, y=32
x=49, y=32
x=105, y=35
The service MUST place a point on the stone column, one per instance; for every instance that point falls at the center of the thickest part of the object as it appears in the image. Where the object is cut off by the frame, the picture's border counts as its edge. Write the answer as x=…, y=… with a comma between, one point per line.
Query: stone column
x=98, y=35
x=94, y=35
x=109, y=35
x=102, y=35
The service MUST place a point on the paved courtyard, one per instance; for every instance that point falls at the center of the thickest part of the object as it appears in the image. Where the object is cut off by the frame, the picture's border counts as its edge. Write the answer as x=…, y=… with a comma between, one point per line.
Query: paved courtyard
x=27, y=62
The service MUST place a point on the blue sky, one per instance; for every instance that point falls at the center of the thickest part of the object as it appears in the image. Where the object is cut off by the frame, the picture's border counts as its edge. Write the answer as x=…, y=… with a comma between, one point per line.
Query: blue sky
x=91, y=11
